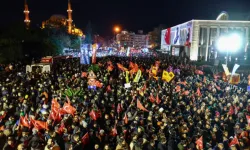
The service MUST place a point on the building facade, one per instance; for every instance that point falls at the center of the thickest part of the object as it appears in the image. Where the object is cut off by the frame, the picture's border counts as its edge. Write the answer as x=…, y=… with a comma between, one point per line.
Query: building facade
x=198, y=38
x=130, y=39
x=57, y=21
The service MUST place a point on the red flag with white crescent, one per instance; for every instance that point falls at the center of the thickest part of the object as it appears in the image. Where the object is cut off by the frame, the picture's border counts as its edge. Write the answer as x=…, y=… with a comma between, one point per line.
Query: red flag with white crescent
x=85, y=139
x=125, y=119
x=158, y=101
x=39, y=124
x=69, y=109
x=151, y=98
x=119, y=108
x=199, y=142
x=198, y=92
x=140, y=106
x=114, y=131
x=24, y=121
x=234, y=141
x=93, y=115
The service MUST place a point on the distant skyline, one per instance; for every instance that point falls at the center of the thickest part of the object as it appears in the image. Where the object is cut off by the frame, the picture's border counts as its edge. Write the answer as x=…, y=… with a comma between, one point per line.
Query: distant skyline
x=132, y=15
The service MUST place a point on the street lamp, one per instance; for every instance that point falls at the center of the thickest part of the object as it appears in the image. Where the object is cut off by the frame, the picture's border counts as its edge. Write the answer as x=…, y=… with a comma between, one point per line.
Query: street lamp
x=229, y=43
x=117, y=29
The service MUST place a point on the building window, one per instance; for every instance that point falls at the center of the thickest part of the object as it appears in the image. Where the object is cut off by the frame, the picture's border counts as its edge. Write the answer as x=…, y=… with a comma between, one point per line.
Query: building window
x=203, y=36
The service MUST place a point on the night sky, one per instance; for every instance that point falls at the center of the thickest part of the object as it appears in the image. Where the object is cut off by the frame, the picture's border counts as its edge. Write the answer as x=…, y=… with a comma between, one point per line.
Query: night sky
x=130, y=14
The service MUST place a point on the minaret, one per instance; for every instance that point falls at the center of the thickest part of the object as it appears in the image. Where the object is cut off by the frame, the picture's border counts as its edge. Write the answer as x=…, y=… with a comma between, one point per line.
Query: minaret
x=69, y=17
x=26, y=14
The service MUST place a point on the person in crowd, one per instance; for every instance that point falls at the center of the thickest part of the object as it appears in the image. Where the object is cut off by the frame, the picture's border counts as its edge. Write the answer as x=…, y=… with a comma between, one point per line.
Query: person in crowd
x=121, y=109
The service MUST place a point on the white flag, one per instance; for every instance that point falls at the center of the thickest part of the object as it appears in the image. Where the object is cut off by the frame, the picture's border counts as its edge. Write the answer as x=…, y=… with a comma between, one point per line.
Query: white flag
x=236, y=66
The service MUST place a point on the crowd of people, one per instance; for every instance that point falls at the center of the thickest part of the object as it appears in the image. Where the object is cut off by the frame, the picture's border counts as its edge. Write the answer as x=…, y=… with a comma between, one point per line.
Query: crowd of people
x=191, y=112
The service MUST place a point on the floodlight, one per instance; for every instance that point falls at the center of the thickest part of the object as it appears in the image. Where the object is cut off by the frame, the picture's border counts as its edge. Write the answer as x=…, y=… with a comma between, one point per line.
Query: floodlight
x=234, y=42
x=230, y=43
x=222, y=43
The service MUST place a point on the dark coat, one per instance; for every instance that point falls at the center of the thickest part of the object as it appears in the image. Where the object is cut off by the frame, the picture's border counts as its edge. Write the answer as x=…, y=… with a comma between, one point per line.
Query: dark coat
x=8, y=147
x=35, y=142
x=161, y=146
x=78, y=146
x=60, y=141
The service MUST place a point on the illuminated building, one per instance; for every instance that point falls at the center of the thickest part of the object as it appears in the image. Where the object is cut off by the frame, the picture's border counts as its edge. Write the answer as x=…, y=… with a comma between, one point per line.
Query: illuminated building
x=57, y=21
x=197, y=39
x=131, y=39
x=26, y=14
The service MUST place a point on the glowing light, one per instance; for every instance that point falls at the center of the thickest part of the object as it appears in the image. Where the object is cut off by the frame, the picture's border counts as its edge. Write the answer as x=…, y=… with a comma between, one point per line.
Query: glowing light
x=117, y=29
x=230, y=43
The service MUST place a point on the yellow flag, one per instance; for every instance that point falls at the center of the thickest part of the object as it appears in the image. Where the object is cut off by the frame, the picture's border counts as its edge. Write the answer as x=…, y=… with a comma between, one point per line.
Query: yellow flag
x=167, y=76
x=164, y=75
x=138, y=76
x=127, y=76
x=170, y=76
x=154, y=70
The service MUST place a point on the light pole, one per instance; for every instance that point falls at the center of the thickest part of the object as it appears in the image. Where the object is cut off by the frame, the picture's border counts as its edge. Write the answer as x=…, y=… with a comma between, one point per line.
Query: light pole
x=229, y=43
x=116, y=31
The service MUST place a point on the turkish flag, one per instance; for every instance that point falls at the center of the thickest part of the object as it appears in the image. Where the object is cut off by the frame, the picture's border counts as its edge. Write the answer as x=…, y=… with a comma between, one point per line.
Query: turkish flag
x=108, y=89
x=248, y=119
x=55, y=114
x=93, y=115
x=119, y=108
x=55, y=104
x=151, y=98
x=234, y=141
x=168, y=36
x=140, y=106
x=39, y=124
x=198, y=92
x=61, y=128
x=85, y=139
x=113, y=131
x=158, y=101
x=69, y=109
x=121, y=67
x=199, y=142
x=55, y=110
x=205, y=79
x=24, y=121
x=125, y=119
x=131, y=65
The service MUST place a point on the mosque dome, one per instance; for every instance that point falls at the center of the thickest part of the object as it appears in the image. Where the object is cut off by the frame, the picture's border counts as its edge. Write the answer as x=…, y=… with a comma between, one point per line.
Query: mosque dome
x=57, y=19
